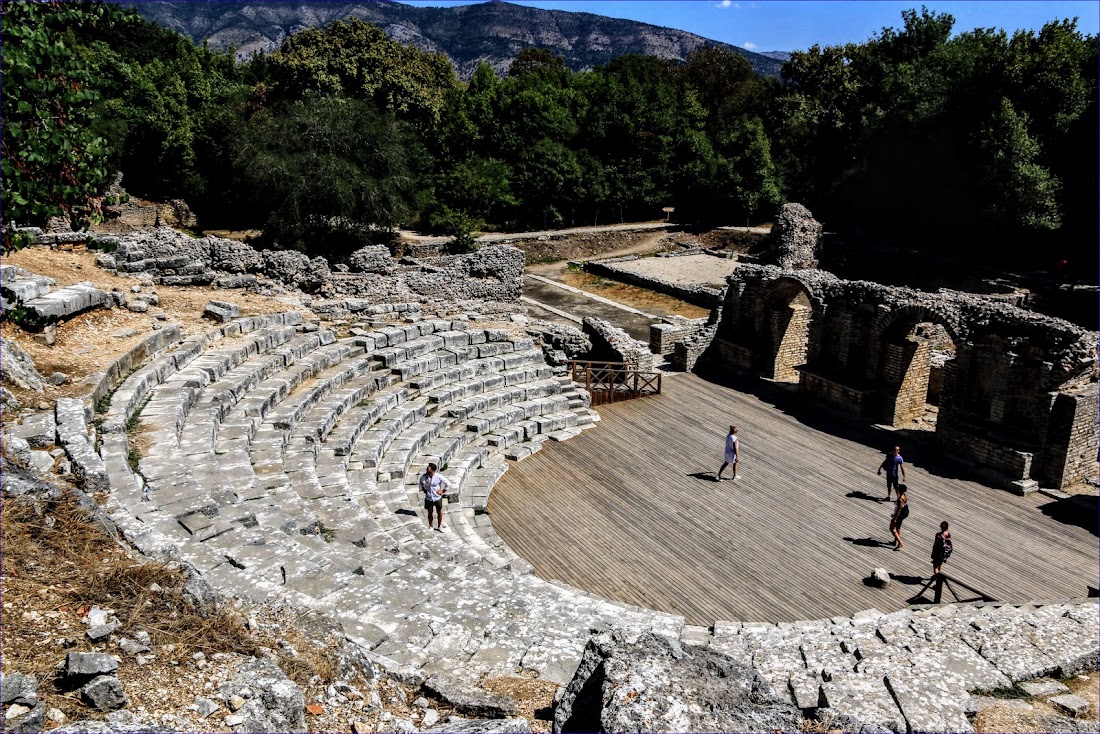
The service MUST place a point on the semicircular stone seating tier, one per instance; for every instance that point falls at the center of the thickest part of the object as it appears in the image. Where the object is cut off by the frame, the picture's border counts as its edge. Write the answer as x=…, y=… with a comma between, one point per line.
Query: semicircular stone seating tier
x=282, y=463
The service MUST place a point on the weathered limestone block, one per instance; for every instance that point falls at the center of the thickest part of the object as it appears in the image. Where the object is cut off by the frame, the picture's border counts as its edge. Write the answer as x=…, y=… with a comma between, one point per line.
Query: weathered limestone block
x=656, y=684
x=221, y=311
x=272, y=701
x=795, y=239
x=18, y=368
x=72, y=434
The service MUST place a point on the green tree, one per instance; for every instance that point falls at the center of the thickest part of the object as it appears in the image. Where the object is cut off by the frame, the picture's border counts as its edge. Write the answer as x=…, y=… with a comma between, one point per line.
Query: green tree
x=329, y=174
x=356, y=59
x=53, y=163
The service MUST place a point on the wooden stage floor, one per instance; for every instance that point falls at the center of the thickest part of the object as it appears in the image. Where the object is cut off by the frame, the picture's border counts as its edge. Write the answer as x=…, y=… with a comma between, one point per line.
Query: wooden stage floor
x=630, y=510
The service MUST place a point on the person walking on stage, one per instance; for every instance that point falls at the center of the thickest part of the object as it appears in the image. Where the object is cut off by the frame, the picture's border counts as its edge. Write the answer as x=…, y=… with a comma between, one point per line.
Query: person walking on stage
x=901, y=511
x=894, y=465
x=732, y=448
x=942, y=548
x=434, y=486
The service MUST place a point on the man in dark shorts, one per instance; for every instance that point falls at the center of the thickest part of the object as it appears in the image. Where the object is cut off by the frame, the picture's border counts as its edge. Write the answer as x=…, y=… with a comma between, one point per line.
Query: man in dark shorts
x=894, y=466
x=434, y=486
x=941, y=548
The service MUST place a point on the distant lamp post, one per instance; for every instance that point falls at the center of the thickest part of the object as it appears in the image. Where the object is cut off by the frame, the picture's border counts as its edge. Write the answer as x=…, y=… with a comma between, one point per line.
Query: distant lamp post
x=668, y=211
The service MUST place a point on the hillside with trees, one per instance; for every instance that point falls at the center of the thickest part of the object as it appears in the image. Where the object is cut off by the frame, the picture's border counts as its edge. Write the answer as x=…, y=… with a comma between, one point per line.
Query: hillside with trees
x=982, y=142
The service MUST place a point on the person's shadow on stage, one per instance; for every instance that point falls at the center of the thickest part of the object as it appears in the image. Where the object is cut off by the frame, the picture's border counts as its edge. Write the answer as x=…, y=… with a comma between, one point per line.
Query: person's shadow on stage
x=861, y=495
x=870, y=542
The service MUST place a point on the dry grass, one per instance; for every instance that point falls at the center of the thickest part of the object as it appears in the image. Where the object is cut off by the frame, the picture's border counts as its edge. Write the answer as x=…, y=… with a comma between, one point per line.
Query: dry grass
x=534, y=696
x=57, y=564
x=1005, y=718
x=631, y=295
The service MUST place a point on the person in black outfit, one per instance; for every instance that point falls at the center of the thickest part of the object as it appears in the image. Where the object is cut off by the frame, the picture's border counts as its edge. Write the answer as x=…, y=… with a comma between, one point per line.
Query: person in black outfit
x=901, y=511
x=941, y=548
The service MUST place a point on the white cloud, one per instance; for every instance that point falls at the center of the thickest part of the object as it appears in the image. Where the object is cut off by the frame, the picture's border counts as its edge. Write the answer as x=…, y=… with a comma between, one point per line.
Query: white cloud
x=724, y=4
x=749, y=45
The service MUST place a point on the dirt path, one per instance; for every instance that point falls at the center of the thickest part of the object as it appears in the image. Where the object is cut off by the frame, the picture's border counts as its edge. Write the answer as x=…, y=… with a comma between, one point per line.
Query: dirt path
x=491, y=237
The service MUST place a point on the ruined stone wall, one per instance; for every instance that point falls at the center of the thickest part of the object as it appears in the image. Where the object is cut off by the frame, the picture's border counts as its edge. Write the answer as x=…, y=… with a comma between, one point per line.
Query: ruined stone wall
x=611, y=344
x=1072, y=442
x=170, y=257
x=795, y=240
x=664, y=337
x=700, y=295
x=867, y=349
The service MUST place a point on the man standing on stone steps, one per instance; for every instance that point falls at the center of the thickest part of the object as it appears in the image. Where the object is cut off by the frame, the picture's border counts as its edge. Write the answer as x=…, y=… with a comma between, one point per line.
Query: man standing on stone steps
x=732, y=447
x=434, y=486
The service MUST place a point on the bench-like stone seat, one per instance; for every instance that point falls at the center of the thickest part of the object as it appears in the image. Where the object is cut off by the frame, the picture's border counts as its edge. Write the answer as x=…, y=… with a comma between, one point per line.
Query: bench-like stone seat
x=285, y=468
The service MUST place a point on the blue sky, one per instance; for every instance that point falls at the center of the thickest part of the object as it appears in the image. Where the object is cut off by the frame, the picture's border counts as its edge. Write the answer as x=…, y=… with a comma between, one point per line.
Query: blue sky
x=789, y=25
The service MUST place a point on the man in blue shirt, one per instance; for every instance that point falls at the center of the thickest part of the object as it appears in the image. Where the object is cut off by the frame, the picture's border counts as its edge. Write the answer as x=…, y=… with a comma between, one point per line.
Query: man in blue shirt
x=894, y=466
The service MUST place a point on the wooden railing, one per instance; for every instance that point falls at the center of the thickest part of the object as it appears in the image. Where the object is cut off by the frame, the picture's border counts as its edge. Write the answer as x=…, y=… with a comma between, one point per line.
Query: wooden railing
x=610, y=382
x=939, y=581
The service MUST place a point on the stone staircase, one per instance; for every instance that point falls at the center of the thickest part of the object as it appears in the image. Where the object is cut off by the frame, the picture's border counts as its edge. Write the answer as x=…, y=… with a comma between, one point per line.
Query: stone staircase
x=283, y=464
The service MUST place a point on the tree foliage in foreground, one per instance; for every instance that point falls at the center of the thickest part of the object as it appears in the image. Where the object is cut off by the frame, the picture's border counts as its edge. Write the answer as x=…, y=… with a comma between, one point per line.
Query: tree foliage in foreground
x=53, y=163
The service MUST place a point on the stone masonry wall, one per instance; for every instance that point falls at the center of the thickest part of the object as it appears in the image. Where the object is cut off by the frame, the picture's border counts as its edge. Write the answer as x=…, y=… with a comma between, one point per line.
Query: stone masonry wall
x=612, y=344
x=995, y=401
x=697, y=294
x=664, y=337
x=1073, y=443
x=492, y=273
x=790, y=331
x=908, y=366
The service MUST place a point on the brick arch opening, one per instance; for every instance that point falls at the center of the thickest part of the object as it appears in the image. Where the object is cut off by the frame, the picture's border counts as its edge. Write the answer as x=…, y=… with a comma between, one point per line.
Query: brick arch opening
x=915, y=349
x=790, y=311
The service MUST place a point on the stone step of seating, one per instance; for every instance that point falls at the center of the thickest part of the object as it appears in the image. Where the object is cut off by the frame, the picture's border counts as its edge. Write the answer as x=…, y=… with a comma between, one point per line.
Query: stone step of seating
x=136, y=388
x=474, y=367
x=20, y=286
x=66, y=302
x=253, y=408
x=241, y=380
x=397, y=359
x=278, y=515
x=327, y=418
x=288, y=413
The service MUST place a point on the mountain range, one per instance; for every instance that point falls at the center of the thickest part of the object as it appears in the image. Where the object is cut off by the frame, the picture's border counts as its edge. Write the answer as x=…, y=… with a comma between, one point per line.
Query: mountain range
x=493, y=32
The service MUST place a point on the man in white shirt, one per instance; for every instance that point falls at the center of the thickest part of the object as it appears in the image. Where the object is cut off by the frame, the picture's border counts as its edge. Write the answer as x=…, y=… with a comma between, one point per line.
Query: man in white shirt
x=434, y=486
x=732, y=447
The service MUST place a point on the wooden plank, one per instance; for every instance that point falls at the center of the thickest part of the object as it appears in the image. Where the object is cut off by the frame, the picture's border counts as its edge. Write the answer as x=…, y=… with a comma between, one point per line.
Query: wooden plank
x=630, y=510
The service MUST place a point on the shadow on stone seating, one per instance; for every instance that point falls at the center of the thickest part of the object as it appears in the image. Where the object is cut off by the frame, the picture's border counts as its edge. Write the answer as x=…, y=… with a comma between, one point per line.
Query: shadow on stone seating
x=405, y=511
x=785, y=397
x=1079, y=510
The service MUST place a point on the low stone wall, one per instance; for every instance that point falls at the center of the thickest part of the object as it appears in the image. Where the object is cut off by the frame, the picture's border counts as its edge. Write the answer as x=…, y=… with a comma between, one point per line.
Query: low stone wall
x=664, y=337
x=696, y=294
x=612, y=344
x=102, y=383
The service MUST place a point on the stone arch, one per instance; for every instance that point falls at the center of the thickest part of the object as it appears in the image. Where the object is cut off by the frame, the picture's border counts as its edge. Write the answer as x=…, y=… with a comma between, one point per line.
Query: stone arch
x=790, y=309
x=907, y=359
